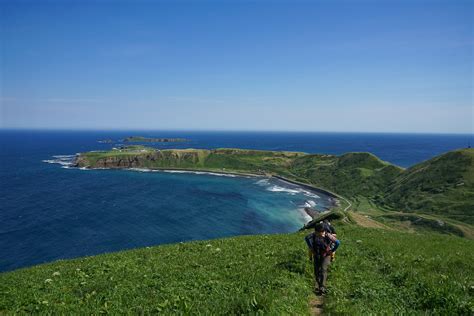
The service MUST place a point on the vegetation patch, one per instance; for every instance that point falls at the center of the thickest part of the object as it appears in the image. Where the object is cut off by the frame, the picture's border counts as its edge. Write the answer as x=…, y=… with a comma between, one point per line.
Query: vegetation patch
x=389, y=272
x=376, y=271
x=421, y=222
x=242, y=275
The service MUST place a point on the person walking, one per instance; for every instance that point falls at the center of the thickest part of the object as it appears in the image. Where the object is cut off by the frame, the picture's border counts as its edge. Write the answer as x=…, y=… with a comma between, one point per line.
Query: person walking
x=320, y=253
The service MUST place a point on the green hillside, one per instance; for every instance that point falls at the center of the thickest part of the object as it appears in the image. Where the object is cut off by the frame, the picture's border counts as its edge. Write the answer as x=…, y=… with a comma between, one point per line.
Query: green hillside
x=349, y=175
x=376, y=271
x=443, y=185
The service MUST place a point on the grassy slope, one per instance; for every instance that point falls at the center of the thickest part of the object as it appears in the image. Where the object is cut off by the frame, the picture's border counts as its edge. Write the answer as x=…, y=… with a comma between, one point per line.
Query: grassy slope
x=366, y=210
x=349, y=175
x=398, y=273
x=387, y=271
x=228, y=276
x=443, y=185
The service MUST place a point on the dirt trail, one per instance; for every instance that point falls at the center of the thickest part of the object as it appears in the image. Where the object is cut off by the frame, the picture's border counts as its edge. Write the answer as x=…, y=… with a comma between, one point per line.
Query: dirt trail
x=316, y=305
x=364, y=221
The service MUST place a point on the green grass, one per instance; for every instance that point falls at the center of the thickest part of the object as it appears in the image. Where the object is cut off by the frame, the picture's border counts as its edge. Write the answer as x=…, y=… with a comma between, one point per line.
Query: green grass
x=443, y=185
x=393, y=272
x=229, y=276
x=376, y=272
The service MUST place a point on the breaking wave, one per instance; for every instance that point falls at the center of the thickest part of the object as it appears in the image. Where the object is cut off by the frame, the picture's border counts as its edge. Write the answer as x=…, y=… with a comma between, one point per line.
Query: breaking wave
x=65, y=161
x=203, y=172
x=292, y=190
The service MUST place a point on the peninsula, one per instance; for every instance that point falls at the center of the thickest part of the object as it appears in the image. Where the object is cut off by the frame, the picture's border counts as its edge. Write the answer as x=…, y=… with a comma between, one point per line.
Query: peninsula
x=442, y=186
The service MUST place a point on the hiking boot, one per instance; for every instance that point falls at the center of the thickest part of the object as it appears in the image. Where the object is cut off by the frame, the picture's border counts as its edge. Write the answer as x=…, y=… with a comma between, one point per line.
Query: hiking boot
x=322, y=290
x=316, y=290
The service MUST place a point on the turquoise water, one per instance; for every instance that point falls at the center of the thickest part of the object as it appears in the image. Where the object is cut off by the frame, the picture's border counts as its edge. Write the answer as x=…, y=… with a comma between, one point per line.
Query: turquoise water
x=50, y=212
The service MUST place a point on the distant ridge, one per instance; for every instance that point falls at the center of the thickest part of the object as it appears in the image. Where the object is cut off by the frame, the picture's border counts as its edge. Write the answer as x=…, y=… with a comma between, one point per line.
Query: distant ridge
x=443, y=185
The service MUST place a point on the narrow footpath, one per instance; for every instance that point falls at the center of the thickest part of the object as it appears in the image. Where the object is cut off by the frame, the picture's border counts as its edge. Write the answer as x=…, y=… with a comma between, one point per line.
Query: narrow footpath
x=316, y=305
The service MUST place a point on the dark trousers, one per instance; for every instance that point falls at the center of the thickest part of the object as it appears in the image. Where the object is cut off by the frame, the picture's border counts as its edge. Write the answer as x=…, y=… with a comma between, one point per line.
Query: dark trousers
x=321, y=265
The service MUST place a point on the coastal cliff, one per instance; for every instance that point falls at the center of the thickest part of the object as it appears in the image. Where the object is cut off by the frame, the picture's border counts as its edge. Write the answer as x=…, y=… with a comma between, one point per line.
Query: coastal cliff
x=217, y=159
x=148, y=159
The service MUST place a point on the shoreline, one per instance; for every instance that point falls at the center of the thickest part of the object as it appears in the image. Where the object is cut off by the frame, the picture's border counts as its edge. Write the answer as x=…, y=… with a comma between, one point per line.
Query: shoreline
x=334, y=197
x=208, y=171
x=310, y=187
x=308, y=213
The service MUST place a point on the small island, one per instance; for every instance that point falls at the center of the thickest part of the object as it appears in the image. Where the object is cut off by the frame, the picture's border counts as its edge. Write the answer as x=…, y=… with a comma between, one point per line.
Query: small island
x=105, y=141
x=142, y=139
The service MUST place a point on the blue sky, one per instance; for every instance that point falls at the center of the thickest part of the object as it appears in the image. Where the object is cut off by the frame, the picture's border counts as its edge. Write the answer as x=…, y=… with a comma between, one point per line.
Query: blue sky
x=380, y=66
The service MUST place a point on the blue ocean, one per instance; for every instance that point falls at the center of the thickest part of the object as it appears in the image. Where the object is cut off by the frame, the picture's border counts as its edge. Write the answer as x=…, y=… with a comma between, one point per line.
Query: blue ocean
x=49, y=211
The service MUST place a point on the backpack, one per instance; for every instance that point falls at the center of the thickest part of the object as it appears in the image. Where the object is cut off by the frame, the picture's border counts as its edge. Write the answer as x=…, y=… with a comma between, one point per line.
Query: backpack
x=320, y=246
x=309, y=240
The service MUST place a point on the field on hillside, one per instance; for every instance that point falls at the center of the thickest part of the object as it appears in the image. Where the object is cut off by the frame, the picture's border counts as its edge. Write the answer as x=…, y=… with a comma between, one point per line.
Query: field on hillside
x=229, y=276
x=376, y=271
x=397, y=272
x=443, y=186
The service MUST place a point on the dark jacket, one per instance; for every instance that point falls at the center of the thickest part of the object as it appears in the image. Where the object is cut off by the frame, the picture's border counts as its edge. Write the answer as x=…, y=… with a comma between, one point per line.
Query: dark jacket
x=328, y=228
x=320, y=246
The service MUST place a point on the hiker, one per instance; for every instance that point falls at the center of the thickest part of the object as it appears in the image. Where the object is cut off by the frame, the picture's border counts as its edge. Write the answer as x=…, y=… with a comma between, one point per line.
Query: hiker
x=331, y=234
x=319, y=244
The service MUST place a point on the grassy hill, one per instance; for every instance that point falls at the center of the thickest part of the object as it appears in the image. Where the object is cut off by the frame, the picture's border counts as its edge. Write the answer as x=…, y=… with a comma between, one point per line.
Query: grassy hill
x=349, y=175
x=375, y=271
x=443, y=185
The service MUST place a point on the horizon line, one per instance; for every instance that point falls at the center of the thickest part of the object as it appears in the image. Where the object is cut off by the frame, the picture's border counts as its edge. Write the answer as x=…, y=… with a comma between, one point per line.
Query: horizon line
x=224, y=131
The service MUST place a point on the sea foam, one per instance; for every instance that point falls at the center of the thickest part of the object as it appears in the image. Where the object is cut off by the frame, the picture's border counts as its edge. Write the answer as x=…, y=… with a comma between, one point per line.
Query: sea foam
x=203, y=172
x=276, y=188
x=63, y=160
x=305, y=215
